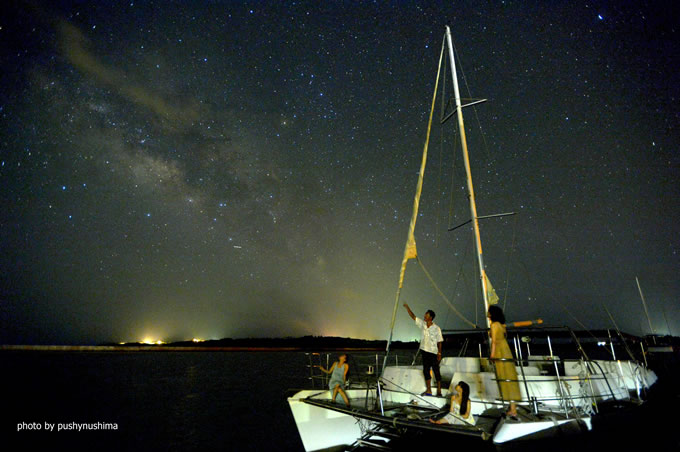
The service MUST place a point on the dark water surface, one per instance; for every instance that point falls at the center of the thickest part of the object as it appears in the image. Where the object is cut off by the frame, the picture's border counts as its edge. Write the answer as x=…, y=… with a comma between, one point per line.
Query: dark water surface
x=184, y=401
x=159, y=400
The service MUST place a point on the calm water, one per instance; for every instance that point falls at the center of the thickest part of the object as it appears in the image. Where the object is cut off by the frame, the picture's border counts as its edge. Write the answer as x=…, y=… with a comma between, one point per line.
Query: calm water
x=183, y=401
x=159, y=400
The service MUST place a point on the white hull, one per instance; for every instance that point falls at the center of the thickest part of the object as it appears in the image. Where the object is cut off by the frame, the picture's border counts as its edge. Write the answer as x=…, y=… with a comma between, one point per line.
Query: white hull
x=321, y=428
x=622, y=378
x=516, y=431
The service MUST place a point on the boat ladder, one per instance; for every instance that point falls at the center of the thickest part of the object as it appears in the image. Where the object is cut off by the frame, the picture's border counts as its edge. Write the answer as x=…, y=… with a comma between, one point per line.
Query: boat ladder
x=368, y=440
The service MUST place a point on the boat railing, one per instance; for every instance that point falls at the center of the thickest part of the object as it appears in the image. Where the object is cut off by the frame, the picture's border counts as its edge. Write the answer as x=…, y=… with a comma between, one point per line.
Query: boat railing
x=317, y=378
x=547, y=388
x=364, y=366
x=566, y=401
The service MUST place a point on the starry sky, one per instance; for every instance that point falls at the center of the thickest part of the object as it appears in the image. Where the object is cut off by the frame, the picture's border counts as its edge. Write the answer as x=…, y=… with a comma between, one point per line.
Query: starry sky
x=210, y=169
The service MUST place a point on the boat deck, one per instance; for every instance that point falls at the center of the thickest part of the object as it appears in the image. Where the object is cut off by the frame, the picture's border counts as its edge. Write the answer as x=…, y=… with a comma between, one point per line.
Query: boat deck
x=408, y=416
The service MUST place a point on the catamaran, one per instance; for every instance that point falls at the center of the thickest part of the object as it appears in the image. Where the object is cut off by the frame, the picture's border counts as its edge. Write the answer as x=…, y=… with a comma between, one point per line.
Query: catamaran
x=562, y=390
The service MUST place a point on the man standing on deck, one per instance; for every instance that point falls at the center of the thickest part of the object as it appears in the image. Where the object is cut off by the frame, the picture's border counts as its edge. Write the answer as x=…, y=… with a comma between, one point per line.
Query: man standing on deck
x=431, y=340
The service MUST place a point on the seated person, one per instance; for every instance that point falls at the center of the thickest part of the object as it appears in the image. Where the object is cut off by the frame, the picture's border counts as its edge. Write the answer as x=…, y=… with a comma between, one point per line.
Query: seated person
x=460, y=412
x=338, y=373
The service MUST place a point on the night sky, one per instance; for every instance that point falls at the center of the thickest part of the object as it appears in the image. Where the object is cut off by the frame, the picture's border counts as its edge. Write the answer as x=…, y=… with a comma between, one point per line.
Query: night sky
x=214, y=169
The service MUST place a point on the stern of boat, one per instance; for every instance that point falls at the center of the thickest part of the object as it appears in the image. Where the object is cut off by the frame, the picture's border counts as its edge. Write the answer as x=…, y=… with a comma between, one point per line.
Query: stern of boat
x=322, y=429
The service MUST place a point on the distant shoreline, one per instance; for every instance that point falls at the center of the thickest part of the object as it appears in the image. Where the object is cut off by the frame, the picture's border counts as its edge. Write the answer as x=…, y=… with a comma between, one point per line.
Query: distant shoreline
x=290, y=344
x=294, y=344
x=165, y=348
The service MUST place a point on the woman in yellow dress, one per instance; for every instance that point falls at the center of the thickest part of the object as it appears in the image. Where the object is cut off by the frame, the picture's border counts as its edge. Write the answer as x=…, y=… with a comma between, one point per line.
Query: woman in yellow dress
x=505, y=370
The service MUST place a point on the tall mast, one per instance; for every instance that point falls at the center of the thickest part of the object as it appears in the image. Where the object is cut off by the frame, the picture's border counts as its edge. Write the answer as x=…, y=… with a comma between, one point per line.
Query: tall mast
x=644, y=304
x=471, y=191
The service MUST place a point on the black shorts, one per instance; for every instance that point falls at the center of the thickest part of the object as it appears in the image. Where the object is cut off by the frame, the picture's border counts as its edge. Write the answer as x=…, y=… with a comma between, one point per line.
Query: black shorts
x=430, y=361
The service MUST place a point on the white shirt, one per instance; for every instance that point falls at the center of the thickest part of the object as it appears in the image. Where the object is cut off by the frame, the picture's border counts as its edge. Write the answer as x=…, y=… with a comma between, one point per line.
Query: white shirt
x=429, y=337
x=454, y=417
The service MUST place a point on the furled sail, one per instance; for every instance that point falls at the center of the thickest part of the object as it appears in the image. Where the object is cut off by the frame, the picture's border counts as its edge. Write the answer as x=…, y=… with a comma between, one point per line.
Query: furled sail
x=410, y=251
x=491, y=295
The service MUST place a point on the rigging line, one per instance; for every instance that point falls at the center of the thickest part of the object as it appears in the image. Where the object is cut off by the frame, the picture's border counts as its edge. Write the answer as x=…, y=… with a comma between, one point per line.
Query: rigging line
x=458, y=276
x=444, y=102
x=532, y=281
x=477, y=303
x=454, y=150
x=453, y=178
x=512, y=251
x=668, y=327
x=434, y=284
x=479, y=124
x=618, y=331
x=561, y=233
x=581, y=324
x=471, y=285
x=587, y=276
x=441, y=159
x=481, y=132
x=577, y=321
x=383, y=381
x=475, y=289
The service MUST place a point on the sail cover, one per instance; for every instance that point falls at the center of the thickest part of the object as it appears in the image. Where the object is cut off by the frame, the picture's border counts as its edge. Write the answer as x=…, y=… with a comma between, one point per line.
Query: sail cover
x=410, y=251
x=491, y=295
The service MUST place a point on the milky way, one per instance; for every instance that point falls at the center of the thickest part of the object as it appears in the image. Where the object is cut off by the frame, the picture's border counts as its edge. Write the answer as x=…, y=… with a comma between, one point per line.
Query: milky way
x=225, y=169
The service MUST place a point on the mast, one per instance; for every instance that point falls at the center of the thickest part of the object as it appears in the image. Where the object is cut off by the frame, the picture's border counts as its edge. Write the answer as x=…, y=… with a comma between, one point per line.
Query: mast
x=410, y=251
x=471, y=191
x=644, y=304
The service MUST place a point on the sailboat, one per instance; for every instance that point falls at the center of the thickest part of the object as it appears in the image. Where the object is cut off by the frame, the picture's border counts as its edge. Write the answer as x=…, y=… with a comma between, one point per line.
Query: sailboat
x=561, y=392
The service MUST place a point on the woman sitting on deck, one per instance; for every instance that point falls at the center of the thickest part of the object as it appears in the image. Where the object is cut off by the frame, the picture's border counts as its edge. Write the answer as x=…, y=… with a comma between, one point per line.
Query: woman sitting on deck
x=338, y=373
x=459, y=413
